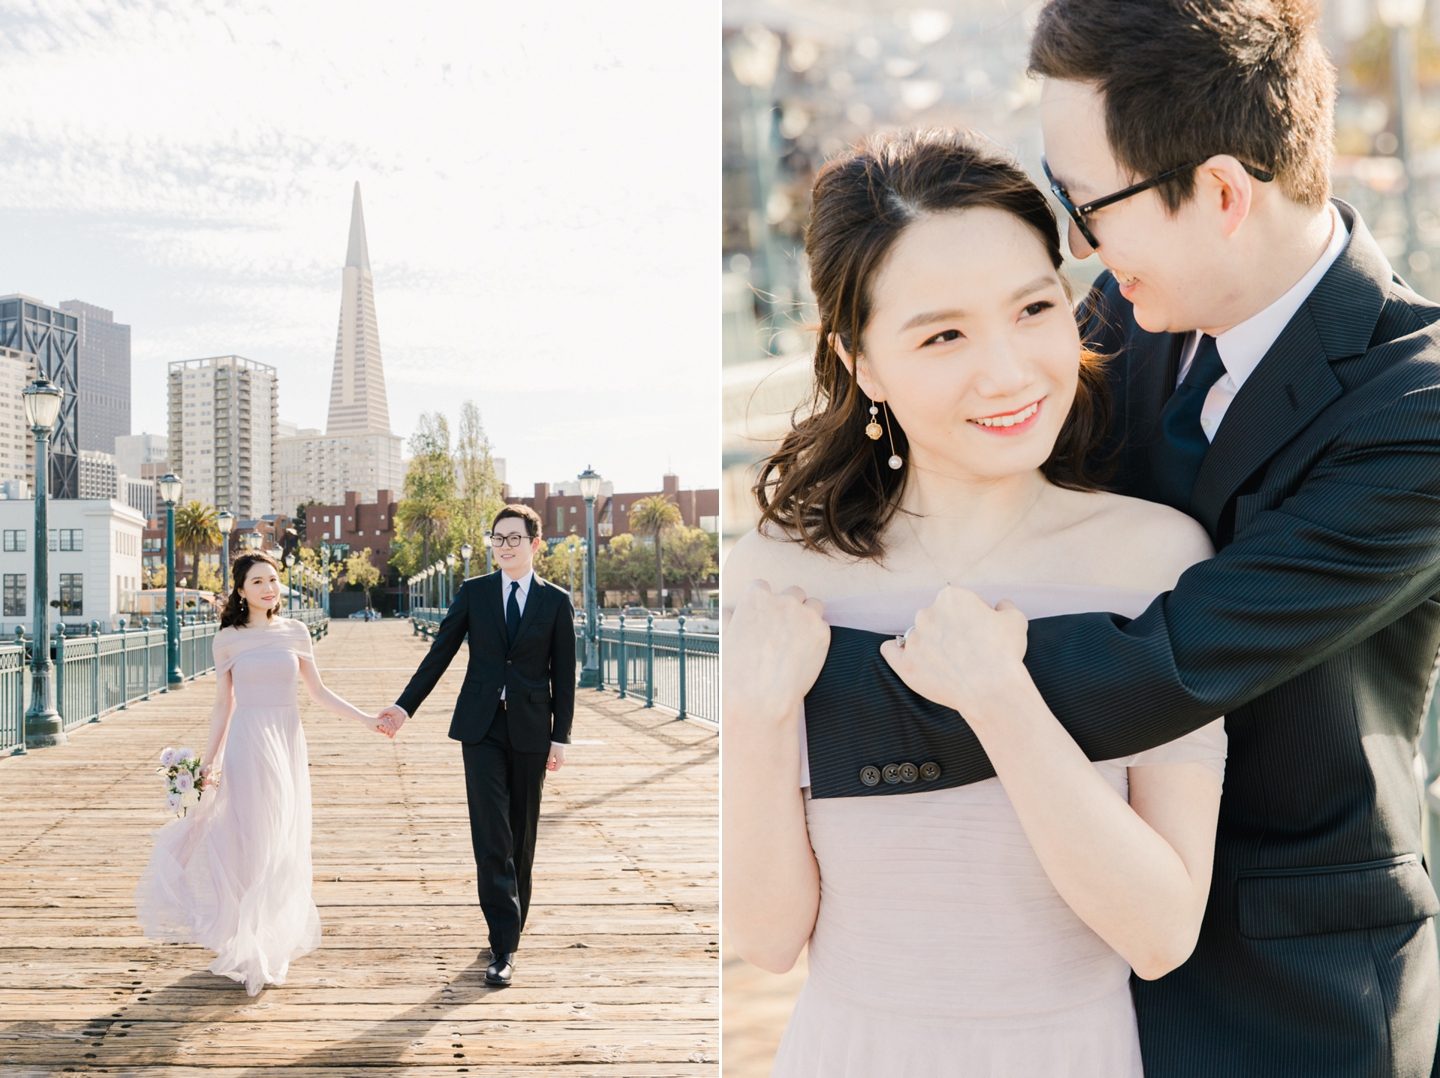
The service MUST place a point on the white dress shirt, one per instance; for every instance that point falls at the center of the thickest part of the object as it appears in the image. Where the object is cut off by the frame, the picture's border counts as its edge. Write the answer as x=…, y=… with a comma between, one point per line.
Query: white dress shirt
x=524, y=582
x=520, y=596
x=1243, y=346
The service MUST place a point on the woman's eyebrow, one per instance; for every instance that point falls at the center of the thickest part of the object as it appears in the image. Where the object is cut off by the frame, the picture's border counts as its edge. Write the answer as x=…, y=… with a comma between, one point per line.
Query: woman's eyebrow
x=925, y=318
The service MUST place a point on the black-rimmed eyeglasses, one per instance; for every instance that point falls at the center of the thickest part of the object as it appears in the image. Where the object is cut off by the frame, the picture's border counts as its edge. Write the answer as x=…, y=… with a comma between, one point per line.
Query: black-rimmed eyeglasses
x=507, y=540
x=1079, y=213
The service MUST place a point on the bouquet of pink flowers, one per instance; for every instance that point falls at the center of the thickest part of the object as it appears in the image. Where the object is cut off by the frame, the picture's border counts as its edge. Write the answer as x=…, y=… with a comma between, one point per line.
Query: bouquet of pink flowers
x=180, y=768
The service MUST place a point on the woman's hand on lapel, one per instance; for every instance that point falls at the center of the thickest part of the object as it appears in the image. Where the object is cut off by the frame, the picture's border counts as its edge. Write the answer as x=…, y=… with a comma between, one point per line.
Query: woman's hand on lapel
x=963, y=654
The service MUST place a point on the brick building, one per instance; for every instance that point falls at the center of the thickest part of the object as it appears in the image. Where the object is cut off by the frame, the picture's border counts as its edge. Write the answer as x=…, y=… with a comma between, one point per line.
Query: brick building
x=356, y=524
x=564, y=513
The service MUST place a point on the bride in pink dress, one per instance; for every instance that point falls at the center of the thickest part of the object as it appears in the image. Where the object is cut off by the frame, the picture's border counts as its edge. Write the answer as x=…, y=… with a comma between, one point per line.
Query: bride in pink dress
x=967, y=931
x=233, y=874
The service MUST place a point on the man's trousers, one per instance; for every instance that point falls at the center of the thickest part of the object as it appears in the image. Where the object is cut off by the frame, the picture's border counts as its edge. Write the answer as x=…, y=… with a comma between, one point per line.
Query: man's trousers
x=503, y=789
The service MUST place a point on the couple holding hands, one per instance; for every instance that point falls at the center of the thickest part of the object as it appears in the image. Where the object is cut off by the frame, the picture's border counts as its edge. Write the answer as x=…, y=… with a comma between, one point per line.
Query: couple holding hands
x=1035, y=583
x=234, y=873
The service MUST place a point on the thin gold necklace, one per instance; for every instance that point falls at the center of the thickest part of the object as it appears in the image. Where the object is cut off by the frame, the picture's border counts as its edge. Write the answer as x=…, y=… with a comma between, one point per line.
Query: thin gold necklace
x=993, y=546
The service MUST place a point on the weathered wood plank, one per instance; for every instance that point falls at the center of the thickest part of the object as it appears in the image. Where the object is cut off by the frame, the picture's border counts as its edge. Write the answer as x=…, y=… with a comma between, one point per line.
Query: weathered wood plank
x=618, y=972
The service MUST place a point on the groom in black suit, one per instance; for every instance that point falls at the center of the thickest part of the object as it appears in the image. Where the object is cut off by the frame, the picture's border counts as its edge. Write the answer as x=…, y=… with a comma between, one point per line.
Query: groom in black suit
x=512, y=717
x=1273, y=377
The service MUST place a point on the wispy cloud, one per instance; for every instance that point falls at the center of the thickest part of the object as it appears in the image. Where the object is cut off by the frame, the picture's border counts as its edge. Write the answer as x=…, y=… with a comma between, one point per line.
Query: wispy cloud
x=541, y=187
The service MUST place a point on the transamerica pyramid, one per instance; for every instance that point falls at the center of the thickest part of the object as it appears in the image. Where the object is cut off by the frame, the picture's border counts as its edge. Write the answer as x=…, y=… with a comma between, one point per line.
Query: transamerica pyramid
x=357, y=389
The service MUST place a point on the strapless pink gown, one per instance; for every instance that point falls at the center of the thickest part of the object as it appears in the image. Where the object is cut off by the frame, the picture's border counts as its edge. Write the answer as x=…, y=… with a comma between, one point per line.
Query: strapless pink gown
x=234, y=873
x=941, y=947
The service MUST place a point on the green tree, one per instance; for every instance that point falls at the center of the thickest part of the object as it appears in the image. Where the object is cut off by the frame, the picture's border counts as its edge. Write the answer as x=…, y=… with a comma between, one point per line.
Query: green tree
x=479, y=492
x=197, y=529
x=564, y=564
x=690, y=555
x=427, y=507
x=360, y=572
x=654, y=517
x=624, y=565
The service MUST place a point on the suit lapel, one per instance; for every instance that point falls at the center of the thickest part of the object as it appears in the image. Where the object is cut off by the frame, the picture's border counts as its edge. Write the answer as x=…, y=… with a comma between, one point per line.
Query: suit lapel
x=494, y=600
x=1293, y=383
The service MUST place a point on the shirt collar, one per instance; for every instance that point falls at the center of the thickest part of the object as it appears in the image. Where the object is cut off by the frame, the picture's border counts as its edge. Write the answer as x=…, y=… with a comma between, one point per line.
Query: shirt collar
x=524, y=583
x=1243, y=346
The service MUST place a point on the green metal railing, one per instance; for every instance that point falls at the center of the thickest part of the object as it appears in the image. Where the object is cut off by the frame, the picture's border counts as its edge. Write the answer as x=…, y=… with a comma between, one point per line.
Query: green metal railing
x=667, y=667
x=98, y=673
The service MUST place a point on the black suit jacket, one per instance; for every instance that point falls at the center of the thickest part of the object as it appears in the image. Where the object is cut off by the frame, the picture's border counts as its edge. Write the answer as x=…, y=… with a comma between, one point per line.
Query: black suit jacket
x=1314, y=630
x=537, y=672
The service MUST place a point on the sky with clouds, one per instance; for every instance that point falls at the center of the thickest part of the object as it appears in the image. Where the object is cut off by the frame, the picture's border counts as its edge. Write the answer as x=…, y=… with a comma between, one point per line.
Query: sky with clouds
x=541, y=192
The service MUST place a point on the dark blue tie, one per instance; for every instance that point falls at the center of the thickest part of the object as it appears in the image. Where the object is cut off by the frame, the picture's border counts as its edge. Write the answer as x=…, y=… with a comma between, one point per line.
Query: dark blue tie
x=512, y=612
x=1175, y=461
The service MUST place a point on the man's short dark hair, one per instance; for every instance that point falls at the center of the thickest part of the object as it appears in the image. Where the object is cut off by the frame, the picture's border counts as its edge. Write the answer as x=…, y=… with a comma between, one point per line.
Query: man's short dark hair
x=520, y=512
x=1184, y=80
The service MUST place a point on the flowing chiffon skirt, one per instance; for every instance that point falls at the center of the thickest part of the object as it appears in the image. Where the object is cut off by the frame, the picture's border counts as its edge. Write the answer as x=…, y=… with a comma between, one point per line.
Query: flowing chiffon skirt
x=234, y=875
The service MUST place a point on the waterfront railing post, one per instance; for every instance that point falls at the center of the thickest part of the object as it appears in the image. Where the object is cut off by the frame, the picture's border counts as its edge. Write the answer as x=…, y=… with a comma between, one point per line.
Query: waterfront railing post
x=681, y=649
x=622, y=656
x=95, y=673
x=60, y=667
x=124, y=668
x=649, y=660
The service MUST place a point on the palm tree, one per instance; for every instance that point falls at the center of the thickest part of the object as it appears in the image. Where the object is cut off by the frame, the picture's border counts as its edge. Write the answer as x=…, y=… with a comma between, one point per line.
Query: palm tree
x=196, y=529
x=654, y=516
x=424, y=516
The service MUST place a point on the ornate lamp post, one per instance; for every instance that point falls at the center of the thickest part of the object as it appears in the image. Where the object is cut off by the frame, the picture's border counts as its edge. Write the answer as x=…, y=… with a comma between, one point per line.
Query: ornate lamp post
x=170, y=488
x=450, y=560
x=465, y=551
x=43, y=724
x=1402, y=17
x=226, y=523
x=290, y=583
x=590, y=490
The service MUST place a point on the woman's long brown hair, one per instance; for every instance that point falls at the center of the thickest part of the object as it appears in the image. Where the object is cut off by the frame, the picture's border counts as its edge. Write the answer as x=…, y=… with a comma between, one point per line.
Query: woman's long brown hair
x=828, y=486
x=237, y=610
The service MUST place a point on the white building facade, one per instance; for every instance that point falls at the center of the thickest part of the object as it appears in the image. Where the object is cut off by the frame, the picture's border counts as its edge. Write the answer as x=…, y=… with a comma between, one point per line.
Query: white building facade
x=322, y=467
x=94, y=561
x=223, y=419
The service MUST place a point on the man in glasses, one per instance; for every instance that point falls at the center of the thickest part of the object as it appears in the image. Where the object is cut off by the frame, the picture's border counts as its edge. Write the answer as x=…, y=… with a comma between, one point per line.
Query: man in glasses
x=1274, y=378
x=512, y=717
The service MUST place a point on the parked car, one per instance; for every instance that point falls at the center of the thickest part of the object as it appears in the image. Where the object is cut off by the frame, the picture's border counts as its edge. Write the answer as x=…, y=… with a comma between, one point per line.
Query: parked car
x=365, y=615
x=634, y=612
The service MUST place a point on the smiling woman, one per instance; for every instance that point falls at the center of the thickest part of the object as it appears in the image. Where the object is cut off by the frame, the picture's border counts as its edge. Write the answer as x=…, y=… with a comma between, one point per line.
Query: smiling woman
x=993, y=926
x=902, y=198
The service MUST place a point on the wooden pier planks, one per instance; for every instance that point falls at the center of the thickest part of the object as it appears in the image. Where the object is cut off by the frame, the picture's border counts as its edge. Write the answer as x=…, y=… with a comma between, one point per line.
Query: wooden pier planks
x=618, y=972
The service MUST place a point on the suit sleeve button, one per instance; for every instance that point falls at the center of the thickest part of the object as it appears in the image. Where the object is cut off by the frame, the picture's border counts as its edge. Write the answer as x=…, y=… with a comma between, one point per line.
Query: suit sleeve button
x=870, y=775
x=930, y=771
x=891, y=773
x=909, y=772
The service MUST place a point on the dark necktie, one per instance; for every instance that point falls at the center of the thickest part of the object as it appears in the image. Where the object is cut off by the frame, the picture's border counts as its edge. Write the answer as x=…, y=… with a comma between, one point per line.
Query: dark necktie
x=512, y=612
x=1175, y=461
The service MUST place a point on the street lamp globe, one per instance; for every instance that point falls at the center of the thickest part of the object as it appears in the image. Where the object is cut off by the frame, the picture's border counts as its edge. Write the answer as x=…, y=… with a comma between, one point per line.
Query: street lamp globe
x=589, y=484
x=225, y=522
x=450, y=560
x=42, y=403
x=466, y=550
x=754, y=56
x=1400, y=13
x=170, y=488
x=289, y=561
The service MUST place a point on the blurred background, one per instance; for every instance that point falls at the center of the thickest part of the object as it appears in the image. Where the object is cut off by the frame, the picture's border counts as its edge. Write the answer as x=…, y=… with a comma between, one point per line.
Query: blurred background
x=803, y=79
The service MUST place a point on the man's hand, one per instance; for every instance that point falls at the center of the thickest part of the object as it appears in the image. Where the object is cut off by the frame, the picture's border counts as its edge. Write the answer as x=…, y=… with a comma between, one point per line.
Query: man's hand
x=391, y=719
x=556, y=758
x=775, y=646
x=963, y=654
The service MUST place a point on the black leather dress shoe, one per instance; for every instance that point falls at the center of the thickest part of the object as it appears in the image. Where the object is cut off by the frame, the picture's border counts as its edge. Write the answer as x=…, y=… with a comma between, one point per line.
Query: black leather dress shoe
x=500, y=968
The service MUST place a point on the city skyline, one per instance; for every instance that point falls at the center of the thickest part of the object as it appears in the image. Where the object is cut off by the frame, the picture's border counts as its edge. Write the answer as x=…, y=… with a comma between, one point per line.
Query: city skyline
x=569, y=294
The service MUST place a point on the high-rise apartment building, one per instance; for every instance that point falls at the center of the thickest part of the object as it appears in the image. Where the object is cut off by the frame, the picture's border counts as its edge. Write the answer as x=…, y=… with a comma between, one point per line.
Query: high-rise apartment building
x=46, y=340
x=357, y=452
x=133, y=451
x=97, y=474
x=102, y=376
x=223, y=416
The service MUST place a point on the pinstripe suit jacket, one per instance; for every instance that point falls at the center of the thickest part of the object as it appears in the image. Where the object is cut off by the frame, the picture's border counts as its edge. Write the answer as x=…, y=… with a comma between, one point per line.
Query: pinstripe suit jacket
x=1314, y=630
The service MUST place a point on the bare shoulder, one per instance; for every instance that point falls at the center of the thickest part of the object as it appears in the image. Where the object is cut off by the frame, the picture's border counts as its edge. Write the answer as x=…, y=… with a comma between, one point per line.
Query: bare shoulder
x=1141, y=544
x=227, y=633
x=769, y=555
